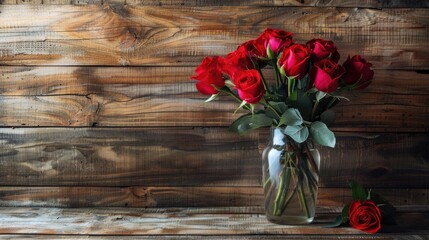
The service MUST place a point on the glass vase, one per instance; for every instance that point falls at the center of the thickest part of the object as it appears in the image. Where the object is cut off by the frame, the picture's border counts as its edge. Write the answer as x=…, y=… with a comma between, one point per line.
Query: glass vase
x=290, y=179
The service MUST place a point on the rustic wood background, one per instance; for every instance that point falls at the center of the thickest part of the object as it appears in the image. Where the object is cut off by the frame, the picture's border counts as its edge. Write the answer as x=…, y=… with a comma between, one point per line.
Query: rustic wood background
x=97, y=109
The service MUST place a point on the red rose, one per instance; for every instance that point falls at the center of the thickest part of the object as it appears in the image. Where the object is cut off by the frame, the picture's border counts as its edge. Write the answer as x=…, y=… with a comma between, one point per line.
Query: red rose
x=365, y=216
x=249, y=86
x=325, y=75
x=358, y=72
x=277, y=39
x=294, y=61
x=237, y=61
x=255, y=49
x=209, y=73
x=321, y=49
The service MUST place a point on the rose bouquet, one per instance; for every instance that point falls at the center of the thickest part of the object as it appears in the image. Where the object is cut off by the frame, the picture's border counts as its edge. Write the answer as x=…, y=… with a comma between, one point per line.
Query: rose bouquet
x=307, y=82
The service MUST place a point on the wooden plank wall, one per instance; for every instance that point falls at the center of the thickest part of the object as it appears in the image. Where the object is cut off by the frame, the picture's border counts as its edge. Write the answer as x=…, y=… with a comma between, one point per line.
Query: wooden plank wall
x=97, y=110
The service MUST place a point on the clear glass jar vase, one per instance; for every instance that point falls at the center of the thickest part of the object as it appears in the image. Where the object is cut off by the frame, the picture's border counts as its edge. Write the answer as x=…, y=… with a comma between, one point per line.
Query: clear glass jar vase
x=290, y=178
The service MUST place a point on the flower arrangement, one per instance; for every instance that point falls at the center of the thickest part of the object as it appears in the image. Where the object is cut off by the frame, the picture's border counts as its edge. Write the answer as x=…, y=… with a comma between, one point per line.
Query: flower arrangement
x=307, y=82
x=367, y=211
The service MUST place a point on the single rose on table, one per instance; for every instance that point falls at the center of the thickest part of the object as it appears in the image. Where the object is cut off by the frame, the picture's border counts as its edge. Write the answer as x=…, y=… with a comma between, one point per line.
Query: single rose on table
x=365, y=216
x=368, y=211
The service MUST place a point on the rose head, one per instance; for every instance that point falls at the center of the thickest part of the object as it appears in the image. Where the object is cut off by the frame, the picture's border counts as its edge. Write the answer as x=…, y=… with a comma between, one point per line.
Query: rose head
x=358, y=72
x=325, y=75
x=255, y=49
x=294, y=61
x=321, y=49
x=277, y=39
x=365, y=216
x=209, y=73
x=249, y=86
x=237, y=61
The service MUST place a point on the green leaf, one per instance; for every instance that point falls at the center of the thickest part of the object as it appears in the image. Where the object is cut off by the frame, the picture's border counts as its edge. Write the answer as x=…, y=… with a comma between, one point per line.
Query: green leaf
x=358, y=191
x=345, y=214
x=212, y=97
x=297, y=133
x=322, y=135
x=280, y=107
x=303, y=103
x=336, y=223
x=320, y=95
x=311, y=90
x=291, y=117
x=249, y=122
x=387, y=210
x=327, y=117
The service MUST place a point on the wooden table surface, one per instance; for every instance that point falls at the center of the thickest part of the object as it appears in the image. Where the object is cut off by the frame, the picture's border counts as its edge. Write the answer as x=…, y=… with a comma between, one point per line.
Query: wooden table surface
x=191, y=223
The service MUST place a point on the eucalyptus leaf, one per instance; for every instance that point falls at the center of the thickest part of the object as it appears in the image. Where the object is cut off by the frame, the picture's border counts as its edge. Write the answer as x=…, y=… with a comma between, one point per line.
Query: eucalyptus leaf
x=322, y=135
x=291, y=117
x=249, y=122
x=298, y=133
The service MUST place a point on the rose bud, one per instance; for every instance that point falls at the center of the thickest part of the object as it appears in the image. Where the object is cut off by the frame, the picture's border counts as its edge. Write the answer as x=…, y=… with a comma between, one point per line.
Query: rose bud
x=294, y=61
x=209, y=73
x=325, y=75
x=272, y=41
x=358, y=72
x=249, y=86
x=365, y=216
x=321, y=49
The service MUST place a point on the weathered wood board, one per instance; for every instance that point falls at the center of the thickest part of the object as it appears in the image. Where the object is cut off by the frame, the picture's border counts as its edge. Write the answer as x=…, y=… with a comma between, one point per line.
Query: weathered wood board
x=218, y=221
x=121, y=35
x=302, y=3
x=164, y=96
x=155, y=197
x=195, y=157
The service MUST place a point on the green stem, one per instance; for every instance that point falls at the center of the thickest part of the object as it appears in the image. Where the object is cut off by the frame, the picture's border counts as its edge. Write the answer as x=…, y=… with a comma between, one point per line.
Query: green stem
x=331, y=102
x=232, y=94
x=276, y=72
x=290, y=83
x=268, y=105
x=314, y=110
x=264, y=82
x=303, y=200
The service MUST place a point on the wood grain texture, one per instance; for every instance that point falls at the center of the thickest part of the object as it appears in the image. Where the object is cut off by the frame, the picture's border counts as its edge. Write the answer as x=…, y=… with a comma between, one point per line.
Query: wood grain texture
x=99, y=221
x=155, y=197
x=384, y=236
x=164, y=96
x=183, y=106
x=149, y=35
x=195, y=157
x=132, y=82
x=316, y=3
